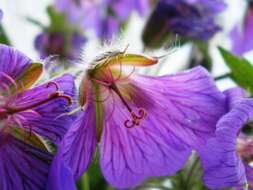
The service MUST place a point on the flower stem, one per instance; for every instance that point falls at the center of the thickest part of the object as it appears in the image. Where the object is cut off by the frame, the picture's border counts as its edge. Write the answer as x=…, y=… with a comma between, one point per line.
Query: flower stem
x=193, y=167
x=84, y=182
x=227, y=75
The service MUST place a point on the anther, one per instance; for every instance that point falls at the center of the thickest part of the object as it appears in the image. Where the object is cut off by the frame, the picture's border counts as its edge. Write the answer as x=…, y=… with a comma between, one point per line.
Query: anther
x=54, y=84
x=135, y=119
x=60, y=94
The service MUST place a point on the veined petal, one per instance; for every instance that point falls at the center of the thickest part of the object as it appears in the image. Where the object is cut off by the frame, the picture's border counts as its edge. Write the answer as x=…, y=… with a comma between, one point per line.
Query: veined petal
x=77, y=147
x=129, y=156
x=222, y=165
x=233, y=95
x=160, y=143
x=50, y=119
x=189, y=101
x=22, y=166
x=13, y=62
x=60, y=176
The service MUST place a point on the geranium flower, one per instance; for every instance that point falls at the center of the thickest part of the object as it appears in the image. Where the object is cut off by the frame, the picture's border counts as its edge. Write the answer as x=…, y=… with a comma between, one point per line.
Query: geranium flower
x=227, y=159
x=26, y=115
x=144, y=126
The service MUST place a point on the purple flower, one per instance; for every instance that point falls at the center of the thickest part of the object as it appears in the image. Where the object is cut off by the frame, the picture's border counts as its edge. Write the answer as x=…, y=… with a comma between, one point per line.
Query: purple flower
x=103, y=16
x=144, y=126
x=56, y=43
x=227, y=159
x=26, y=115
x=242, y=40
x=1, y=14
x=191, y=19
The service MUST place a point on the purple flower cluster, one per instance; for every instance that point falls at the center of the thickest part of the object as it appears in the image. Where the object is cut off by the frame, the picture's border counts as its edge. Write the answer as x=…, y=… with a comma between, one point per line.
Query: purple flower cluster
x=104, y=16
x=143, y=126
x=191, y=19
x=56, y=43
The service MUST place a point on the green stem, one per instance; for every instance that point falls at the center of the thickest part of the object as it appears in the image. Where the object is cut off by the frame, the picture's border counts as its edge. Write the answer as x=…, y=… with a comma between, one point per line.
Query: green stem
x=193, y=167
x=86, y=181
x=83, y=183
x=227, y=75
x=109, y=188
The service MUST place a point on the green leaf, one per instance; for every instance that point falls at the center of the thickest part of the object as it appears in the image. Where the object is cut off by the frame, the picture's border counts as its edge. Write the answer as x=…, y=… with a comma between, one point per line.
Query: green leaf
x=241, y=70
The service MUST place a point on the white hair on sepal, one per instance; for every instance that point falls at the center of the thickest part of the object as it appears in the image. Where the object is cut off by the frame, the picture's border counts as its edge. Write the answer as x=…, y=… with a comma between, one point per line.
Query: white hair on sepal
x=162, y=54
x=94, y=49
x=166, y=50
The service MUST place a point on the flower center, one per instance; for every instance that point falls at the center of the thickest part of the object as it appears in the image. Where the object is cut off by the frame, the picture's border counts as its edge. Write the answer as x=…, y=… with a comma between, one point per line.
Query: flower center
x=9, y=89
x=9, y=110
x=135, y=118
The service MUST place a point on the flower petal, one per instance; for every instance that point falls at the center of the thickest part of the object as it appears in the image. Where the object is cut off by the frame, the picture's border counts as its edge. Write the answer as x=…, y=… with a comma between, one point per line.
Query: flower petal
x=189, y=101
x=160, y=144
x=77, y=147
x=58, y=174
x=22, y=166
x=129, y=156
x=222, y=165
x=13, y=62
x=50, y=119
x=233, y=95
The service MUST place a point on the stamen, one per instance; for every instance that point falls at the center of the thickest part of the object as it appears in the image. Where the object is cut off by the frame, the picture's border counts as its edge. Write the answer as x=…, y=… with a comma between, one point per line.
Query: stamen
x=60, y=94
x=135, y=119
x=54, y=84
x=54, y=95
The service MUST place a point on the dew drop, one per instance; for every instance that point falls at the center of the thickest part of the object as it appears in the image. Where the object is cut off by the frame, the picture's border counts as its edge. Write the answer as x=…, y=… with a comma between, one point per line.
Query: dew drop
x=188, y=120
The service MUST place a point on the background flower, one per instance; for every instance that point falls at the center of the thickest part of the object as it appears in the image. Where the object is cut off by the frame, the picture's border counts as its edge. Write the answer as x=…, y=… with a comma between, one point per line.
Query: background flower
x=241, y=36
x=193, y=20
x=105, y=16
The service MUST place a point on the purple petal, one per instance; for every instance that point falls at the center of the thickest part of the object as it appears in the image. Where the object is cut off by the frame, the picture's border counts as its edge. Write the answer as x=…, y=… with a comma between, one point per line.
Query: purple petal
x=129, y=156
x=22, y=166
x=242, y=39
x=60, y=176
x=78, y=146
x=233, y=95
x=12, y=62
x=50, y=119
x=160, y=144
x=193, y=119
x=222, y=165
